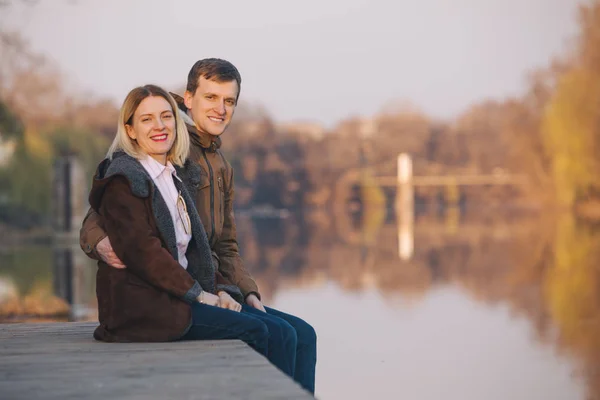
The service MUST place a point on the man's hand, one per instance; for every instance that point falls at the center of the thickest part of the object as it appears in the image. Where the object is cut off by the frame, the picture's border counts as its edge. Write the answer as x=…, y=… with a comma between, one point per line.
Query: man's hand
x=107, y=254
x=228, y=302
x=253, y=301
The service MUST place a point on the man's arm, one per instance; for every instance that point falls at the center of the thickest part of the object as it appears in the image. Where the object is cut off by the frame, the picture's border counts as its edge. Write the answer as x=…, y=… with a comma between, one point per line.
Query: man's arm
x=94, y=241
x=91, y=233
x=231, y=264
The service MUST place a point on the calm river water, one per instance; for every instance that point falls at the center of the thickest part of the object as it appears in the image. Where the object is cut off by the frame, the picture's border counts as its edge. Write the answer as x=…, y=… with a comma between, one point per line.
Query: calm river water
x=474, y=309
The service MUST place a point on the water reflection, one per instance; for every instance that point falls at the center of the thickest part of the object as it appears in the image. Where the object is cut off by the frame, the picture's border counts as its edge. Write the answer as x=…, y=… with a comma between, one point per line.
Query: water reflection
x=484, y=308
x=46, y=283
x=535, y=280
x=445, y=346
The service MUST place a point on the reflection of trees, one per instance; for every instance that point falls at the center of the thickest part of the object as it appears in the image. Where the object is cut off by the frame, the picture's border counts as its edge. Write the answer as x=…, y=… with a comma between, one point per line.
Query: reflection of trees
x=572, y=292
x=41, y=282
x=543, y=269
x=368, y=257
x=272, y=248
x=30, y=275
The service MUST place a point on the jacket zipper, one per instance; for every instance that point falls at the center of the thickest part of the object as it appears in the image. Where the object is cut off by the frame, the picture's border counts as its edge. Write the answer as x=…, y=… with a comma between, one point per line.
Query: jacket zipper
x=212, y=199
x=221, y=201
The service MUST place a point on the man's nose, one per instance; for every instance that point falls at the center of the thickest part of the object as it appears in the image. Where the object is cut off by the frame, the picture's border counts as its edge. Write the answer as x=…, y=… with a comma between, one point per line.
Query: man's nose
x=220, y=107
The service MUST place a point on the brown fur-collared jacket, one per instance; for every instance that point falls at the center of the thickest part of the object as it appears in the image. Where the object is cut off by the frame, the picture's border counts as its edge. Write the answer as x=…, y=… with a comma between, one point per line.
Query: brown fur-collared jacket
x=149, y=301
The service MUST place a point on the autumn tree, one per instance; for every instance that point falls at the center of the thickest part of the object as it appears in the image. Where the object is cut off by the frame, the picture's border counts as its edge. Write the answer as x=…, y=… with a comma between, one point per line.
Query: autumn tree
x=571, y=122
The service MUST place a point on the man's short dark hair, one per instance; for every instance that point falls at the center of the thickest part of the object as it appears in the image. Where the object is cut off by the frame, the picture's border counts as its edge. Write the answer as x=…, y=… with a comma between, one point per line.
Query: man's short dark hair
x=214, y=69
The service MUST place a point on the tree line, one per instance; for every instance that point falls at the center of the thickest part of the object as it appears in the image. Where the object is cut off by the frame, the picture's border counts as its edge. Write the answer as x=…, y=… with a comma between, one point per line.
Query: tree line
x=551, y=134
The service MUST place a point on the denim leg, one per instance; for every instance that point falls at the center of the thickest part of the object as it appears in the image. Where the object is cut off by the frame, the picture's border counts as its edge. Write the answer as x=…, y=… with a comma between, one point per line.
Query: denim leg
x=306, y=351
x=283, y=340
x=214, y=323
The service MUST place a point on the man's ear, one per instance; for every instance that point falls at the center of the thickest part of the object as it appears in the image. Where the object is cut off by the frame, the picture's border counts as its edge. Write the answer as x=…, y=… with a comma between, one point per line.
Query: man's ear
x=187, y=99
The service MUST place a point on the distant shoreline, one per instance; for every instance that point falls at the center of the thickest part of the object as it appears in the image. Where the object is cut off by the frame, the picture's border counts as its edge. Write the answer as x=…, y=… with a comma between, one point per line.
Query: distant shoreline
x=10, y=237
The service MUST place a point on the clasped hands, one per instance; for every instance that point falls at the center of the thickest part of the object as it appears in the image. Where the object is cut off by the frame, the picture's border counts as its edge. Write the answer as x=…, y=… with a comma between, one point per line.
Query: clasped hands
x=222, y=300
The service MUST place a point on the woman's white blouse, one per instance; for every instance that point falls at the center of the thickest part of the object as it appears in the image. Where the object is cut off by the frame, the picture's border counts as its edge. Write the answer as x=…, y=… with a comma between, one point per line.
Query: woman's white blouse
x=163, y=179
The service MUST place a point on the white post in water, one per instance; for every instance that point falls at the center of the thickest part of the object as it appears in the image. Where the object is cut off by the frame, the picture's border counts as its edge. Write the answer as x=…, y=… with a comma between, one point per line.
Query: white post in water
x=405, y=207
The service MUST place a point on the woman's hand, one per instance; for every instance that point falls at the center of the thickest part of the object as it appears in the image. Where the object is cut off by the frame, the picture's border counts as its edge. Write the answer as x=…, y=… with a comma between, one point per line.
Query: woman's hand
x=209, y=299
x=226, y=301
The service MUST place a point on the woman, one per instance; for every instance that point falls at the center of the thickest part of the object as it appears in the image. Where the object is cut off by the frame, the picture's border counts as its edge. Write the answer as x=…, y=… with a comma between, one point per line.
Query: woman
x=170, y=289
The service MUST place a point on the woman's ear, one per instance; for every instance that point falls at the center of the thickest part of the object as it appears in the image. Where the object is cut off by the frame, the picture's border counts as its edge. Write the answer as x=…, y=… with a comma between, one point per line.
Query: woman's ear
x=130, y=131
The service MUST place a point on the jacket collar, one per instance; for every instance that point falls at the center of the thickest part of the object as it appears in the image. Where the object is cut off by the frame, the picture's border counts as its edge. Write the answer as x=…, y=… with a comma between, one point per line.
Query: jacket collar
x=204, y=140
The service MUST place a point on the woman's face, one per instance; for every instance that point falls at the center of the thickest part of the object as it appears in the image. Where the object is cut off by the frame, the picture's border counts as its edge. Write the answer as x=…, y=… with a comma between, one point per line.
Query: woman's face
x=153, y=127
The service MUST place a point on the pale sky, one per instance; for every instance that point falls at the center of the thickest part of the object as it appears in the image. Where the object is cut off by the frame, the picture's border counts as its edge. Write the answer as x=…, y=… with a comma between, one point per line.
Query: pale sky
x=309, y=60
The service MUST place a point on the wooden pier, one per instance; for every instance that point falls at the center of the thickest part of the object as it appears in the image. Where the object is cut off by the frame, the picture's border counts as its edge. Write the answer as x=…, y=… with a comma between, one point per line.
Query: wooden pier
x=63, y=361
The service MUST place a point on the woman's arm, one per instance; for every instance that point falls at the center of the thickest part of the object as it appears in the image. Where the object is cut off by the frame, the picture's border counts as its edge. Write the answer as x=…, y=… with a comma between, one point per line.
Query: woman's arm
x=126, y=220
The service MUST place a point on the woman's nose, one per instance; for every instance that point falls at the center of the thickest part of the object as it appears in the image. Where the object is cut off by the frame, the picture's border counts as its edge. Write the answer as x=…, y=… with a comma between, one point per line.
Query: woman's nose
x=159, y=124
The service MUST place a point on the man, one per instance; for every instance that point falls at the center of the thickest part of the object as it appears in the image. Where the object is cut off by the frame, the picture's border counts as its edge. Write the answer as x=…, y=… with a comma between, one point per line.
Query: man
x=212, y=91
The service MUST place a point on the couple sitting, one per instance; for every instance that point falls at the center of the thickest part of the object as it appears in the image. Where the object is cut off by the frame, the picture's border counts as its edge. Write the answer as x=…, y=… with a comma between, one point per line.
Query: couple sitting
x=161, y=225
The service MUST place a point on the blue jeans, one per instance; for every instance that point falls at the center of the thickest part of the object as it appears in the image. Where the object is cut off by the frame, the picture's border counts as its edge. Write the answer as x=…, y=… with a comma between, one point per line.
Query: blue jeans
x=286, y=341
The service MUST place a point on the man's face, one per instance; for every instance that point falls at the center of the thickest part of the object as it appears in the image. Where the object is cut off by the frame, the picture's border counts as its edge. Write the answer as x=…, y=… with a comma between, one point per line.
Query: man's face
x=212, y=105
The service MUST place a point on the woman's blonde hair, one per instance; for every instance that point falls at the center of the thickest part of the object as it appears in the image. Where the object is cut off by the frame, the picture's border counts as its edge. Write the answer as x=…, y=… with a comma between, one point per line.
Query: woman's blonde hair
x=122, y=142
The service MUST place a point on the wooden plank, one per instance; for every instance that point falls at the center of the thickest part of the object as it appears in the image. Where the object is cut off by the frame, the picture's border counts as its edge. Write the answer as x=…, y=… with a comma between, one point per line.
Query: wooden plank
x=63, y=361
